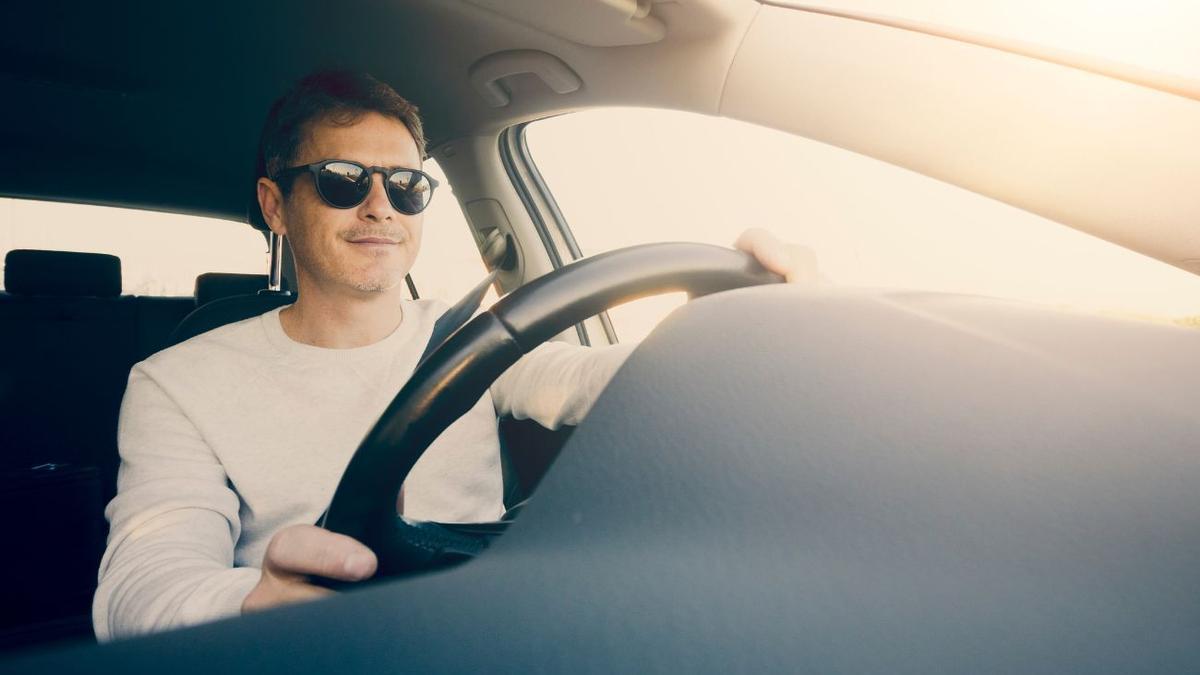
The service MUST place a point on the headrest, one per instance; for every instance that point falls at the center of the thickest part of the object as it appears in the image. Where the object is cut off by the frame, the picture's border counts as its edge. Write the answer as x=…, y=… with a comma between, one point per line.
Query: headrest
x=34, y=272
x=215, y=285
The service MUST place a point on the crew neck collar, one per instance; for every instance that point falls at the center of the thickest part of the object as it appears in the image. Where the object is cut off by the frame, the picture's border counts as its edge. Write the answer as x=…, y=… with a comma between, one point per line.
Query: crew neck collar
x=285, y=344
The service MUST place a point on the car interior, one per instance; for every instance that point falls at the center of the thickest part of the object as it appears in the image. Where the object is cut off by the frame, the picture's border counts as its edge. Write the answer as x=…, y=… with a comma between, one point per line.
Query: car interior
x=159, y=107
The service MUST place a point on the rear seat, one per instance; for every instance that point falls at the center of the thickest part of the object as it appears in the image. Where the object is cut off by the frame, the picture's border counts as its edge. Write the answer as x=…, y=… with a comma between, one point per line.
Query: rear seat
x=66, y=344
x=67, y=341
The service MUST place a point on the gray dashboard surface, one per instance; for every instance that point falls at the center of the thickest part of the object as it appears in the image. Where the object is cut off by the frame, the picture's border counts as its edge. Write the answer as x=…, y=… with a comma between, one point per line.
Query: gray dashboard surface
x=782, y=480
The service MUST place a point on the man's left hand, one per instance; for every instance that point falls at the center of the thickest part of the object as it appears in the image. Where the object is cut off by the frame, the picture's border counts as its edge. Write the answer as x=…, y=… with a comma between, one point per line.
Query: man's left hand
x=795, y=263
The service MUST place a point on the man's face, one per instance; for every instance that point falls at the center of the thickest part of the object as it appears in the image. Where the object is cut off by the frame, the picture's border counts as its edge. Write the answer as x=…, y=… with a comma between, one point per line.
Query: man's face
x=327, y=242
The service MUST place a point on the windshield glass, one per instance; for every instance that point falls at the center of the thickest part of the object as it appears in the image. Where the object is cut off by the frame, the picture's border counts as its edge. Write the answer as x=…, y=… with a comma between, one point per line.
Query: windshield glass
x=626, y=176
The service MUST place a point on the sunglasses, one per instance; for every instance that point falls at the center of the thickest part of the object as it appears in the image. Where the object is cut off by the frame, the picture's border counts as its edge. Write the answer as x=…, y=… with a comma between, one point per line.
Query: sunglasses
x=343, y=184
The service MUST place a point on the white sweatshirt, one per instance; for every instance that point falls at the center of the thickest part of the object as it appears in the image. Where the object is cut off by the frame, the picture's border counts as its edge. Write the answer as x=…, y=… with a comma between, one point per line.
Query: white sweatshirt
x=241, y=431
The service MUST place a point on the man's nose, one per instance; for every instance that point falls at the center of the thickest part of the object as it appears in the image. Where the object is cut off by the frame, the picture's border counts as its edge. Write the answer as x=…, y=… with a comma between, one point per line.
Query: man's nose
x=376, y=206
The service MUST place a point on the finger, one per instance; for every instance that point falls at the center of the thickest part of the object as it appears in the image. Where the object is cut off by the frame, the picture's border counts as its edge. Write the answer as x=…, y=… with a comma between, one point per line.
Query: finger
x=795, y=263
x=281, y=590
x=291, y=588
x=299, y=591
x=307, y=549
x=765, y=248
x=752, y=239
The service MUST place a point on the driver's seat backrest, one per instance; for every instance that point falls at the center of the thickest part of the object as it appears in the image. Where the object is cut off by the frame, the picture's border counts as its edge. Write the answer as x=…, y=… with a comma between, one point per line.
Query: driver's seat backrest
x=217, y=313
x=216, y=285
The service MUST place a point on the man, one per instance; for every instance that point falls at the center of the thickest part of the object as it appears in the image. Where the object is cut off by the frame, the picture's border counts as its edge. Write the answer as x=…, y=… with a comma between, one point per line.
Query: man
x=232, y=442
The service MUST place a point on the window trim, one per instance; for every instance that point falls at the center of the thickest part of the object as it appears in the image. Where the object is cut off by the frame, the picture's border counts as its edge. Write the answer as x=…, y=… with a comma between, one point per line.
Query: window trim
x=548, y=199
x=532, y=189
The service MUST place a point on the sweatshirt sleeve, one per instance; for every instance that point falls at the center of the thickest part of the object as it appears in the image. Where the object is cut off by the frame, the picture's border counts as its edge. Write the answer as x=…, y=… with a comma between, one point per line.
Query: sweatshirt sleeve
x=174, y=524
x=557, y=382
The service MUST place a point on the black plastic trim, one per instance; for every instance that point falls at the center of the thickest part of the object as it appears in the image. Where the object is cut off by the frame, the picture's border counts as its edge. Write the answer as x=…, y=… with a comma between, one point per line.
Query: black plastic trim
x=556, y=215
x=509, y=156
x=539, y=184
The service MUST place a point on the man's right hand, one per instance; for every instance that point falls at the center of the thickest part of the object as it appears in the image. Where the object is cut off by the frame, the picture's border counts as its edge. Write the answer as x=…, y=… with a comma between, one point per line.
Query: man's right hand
x=299, y=551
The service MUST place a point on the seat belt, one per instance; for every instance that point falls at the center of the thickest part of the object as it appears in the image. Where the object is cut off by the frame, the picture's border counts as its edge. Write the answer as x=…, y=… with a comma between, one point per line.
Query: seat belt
x=445, y=326
x=458, y=315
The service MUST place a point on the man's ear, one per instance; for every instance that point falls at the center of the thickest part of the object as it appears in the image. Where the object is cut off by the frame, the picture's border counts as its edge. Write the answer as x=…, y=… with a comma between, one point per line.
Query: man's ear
x=270, y=200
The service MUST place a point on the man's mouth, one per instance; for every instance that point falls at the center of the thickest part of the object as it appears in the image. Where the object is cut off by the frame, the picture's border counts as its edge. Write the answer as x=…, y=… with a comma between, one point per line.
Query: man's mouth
x=377, y=240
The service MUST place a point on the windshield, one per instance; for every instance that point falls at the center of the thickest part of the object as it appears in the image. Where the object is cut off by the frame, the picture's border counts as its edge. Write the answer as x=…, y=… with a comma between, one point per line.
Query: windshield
x=625, y=176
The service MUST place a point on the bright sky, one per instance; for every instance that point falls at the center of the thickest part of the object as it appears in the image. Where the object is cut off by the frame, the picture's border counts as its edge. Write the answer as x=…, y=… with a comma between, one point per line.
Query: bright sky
x=685, y=176
x=161, y=253
x=632, y=176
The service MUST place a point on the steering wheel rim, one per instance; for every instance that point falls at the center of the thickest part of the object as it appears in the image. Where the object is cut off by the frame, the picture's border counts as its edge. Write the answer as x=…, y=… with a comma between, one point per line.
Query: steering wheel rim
x=453, y=377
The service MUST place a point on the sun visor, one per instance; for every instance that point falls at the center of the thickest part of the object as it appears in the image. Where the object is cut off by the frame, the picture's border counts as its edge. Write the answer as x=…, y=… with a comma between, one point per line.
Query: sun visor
x=595, y=23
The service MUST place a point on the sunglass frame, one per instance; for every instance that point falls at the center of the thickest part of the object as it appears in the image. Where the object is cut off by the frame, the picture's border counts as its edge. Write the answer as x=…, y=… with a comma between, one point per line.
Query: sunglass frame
x=316, y=167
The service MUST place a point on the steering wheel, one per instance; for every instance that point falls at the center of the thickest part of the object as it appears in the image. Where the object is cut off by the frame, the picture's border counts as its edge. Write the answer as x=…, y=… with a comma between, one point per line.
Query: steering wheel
x=453, y=377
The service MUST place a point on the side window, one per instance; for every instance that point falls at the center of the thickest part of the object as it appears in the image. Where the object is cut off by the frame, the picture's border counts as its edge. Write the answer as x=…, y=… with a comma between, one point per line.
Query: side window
x=161, y=253
x=630, y=176
x=448, y=264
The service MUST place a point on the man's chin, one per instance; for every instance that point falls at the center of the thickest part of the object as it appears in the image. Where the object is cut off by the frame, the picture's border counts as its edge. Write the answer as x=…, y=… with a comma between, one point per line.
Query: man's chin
x=377, y=284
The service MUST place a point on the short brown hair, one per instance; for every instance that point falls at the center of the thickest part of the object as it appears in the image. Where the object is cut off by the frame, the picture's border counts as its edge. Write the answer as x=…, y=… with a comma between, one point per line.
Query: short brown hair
x=339, y=97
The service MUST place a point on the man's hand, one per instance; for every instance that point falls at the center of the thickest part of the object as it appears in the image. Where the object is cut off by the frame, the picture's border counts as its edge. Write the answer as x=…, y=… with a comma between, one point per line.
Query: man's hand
x=796, y=263
x=299, y=551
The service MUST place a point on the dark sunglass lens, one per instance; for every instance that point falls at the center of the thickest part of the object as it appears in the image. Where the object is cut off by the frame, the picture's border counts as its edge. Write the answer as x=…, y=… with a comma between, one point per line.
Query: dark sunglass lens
x=342, y=184
x=409, y=191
